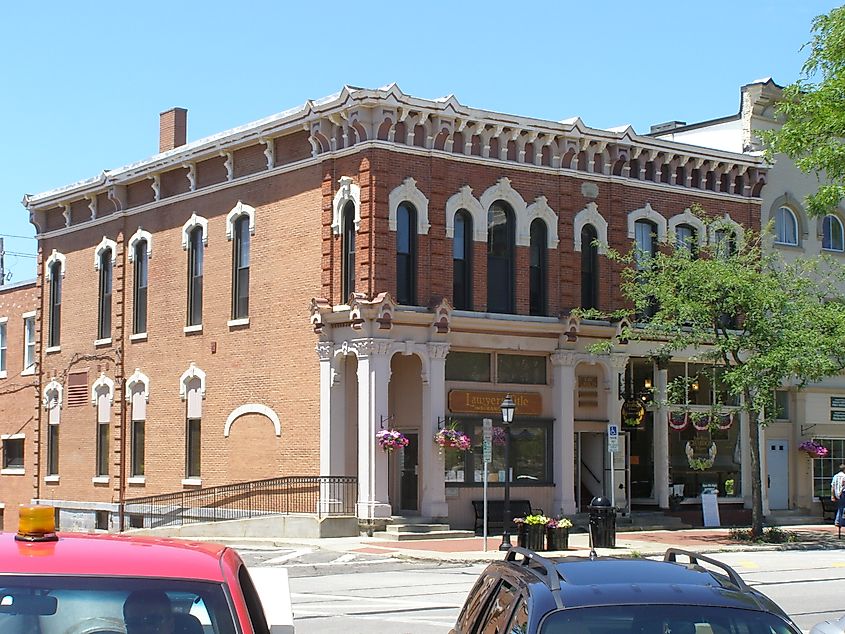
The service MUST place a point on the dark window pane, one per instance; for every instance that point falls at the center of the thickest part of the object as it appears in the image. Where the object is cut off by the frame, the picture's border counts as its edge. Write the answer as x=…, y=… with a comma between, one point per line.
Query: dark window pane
x=139, y=317
x=52, y=449
x=589, y=268
x=500, y=246
x=195, y=265
x=537, y=273
x=55, y=304
x=193, y=445
x=348, y=264
x=138, y=448
x=406, y=239
x=102, y=449
x=13, y=453
x=468, y=366
x=240, y=269
x=519, y=368
x=104, y=313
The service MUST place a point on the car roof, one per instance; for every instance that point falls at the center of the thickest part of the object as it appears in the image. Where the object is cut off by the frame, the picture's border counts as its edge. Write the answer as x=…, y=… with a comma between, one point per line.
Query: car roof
x=112, y=555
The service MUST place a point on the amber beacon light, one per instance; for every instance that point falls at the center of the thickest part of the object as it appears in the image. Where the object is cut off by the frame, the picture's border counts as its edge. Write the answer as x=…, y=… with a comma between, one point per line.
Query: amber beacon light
x=36, y=524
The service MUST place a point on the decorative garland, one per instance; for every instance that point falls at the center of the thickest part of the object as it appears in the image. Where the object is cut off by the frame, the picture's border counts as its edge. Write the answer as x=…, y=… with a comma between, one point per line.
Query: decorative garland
x=700, y=464
x=678, y=420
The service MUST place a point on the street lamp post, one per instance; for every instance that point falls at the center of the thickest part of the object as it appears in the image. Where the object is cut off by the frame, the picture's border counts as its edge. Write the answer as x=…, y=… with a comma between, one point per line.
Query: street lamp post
x=508, y=408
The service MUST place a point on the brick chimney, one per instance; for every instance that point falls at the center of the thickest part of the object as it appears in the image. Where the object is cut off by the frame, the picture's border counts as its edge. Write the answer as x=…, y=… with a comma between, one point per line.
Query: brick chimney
x=173, y=129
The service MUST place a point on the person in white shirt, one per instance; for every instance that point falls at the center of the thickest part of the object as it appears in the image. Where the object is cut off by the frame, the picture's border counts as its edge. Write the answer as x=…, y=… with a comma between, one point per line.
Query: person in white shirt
x=837, y=488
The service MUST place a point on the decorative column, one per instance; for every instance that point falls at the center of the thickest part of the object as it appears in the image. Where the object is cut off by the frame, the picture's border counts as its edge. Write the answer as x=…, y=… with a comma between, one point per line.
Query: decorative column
x=745, y=455
x=614, y=399
x=661, y=432
x=764, y=468
x=373, y=379
x=433, y=494
x=332, y=410
x=563, y=406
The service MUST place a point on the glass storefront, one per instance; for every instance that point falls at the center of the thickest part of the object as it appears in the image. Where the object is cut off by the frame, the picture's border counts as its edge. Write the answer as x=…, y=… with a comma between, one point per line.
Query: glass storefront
x=825, y=468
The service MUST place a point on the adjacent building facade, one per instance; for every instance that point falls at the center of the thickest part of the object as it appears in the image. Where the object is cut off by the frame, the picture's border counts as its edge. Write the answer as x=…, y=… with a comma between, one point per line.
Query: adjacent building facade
x=441, y=250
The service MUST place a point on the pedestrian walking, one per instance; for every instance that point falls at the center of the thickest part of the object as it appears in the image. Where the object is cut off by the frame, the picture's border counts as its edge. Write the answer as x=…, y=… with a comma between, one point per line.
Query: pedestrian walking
x=837, y=488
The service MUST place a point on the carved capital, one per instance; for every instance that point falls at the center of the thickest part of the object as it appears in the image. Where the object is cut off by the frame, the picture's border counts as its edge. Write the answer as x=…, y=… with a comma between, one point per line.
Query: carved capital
x=438, y=350
x=564, y=357
x=618, y=362
x=325, y=350
x=370, y=347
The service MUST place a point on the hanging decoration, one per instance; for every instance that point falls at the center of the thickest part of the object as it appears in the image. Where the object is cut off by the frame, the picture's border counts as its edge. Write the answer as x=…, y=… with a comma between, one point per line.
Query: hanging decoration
x=726, y=419
x=700, y=464
x=633, y=411
x=678, y=421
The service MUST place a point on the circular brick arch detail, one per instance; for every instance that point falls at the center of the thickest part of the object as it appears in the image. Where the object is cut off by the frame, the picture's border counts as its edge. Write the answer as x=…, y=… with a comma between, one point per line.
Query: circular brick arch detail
x=252, y=408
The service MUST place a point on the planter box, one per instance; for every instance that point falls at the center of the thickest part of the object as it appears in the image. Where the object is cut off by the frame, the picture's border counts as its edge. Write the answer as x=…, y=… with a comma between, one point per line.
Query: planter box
x=557, y=538
x=535, y=537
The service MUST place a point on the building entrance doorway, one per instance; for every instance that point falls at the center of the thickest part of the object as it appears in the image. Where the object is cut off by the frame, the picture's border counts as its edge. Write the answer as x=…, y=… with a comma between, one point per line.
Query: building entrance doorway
x=777, y=482
x=408, y=465
x=594, y=470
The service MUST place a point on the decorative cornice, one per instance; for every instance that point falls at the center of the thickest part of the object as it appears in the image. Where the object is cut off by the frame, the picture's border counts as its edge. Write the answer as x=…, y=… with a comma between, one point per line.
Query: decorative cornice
x=138, y=378
x=102, y=381
x=237, y=211
x=325, y=350
x=193, y=372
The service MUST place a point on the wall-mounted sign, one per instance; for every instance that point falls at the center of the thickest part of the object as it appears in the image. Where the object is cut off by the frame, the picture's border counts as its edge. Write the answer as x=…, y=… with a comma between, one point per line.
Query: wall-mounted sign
x=469, y=402
x=837, y=416
x=588, y=393
x=837, y=402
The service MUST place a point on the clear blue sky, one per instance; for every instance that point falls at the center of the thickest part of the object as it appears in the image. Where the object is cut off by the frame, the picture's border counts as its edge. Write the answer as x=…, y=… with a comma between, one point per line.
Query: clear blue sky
x=82, y=83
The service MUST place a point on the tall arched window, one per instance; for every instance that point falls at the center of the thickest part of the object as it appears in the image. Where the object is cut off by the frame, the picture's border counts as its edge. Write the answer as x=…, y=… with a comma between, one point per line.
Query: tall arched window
x=55, y=334
x=589, y=267
x=104, y=308
x=786, y=227
x=195, y=276
x=406, y=254
x=725, y=240
x=537, y=271
x=500, y=248
x=139, y=310
x=832, y=239
x=645, y=233
x=462, y=261
x=685, y=238
x=240, y=269
x=348, y=263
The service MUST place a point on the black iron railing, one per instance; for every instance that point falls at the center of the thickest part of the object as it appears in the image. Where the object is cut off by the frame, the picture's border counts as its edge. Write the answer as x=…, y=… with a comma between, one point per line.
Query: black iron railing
x=314, y=495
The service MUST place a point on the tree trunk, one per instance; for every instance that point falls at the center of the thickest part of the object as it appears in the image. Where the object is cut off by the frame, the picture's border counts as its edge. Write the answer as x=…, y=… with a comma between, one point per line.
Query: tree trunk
x=756, y=475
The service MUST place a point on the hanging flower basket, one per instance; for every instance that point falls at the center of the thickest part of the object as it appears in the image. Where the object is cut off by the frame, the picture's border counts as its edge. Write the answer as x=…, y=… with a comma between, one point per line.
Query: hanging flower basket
x=813, y=449
x=451, y=438
x=678, y=420
x=390, y=439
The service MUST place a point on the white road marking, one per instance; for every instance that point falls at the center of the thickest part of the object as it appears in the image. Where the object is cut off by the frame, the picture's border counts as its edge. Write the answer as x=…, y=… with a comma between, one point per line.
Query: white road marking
x=336, y=562
x=292, y=555
x=344, y=558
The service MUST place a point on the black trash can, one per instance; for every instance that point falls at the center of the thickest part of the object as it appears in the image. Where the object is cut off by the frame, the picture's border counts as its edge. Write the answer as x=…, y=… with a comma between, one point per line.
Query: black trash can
x=602, y=523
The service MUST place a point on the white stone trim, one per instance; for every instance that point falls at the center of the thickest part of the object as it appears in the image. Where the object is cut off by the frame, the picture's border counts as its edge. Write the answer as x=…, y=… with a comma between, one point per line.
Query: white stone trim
x=503, y=190
x=101, y=479
x=590, y=215
x=233, y=323
x=55, y=256
x=190, y=329
x=139, y=235
x=102, y=342
x=192, y=372
x=409, y=192
x=192, y=482
x=688, y=218
x=464, y=199
x=28, y=315
x=52, y=349
x=136, y=378
x=138, y=336
x=237, y=211
x=13, y=471
x=105, y=243
x=647, y=213
x=192, y=222
x=103, y=380
x=136, y=480
x=12, y=436
x=538, y=209
x=252, y=408
x=52, y=386
x=346, y=192
x=729, y=224
x=51, y=479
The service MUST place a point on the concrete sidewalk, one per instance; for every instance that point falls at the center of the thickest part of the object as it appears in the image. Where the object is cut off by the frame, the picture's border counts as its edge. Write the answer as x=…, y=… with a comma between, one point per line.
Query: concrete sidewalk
x=637, y=543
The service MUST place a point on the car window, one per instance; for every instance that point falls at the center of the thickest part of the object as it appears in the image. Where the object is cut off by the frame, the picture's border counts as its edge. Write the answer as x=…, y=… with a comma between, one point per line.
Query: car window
x=495, y=619
x=519, y=620
x=475, y=601
x=95, y=605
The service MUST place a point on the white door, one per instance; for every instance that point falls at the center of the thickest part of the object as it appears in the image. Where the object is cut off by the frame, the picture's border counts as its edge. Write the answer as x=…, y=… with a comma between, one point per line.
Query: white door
x=777, y=482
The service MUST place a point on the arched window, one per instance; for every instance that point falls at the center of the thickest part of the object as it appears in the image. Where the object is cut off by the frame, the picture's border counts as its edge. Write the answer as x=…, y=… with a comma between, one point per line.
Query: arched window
x=537, y=271
x=644, y=234
x=832, y=239
x=348, y=263
x=104, y=308
x=462, y=261
x=786, y=226
x=195, y=244
x=55, y=334
x=589, y=267
x=139, y=309
x=240, y=268
x=685, y=238
x=500, y=247
x=725, y=243
x=406, y=254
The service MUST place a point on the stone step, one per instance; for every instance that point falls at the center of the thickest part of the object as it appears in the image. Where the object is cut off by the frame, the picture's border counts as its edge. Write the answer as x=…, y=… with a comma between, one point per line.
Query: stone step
x=414, y=536
x=416, y=528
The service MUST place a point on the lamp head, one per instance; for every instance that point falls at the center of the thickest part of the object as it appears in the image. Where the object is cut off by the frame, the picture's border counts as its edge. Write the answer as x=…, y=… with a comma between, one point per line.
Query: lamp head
x=508, y=408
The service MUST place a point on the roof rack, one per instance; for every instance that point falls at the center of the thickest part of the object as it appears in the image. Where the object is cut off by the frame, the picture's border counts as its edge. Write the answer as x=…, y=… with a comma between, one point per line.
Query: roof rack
x=672, y=553
x=551, y=577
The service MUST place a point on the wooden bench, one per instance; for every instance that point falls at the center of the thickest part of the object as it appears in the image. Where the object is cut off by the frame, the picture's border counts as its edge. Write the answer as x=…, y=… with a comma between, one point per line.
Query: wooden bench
x=496, y=512
x=828, y=508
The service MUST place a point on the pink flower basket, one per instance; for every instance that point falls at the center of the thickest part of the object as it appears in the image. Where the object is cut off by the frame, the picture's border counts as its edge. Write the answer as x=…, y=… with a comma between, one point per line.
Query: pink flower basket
x=390, y=439
x=453, y=439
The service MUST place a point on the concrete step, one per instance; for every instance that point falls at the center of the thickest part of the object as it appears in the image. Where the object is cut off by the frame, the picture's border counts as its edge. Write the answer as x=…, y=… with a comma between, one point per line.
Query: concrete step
x=414, y=536
x=416, y=528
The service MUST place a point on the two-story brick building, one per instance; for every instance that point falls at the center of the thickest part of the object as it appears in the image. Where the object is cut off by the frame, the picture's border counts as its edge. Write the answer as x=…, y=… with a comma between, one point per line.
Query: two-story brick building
x=441, y=249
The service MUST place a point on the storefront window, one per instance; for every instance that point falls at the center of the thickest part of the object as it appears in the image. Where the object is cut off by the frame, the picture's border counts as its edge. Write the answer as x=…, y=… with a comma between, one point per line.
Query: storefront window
x=468, y=366
x=530, y=454
x=701, y=457
x=520, y=368
x=698, y=384
x=825, y=468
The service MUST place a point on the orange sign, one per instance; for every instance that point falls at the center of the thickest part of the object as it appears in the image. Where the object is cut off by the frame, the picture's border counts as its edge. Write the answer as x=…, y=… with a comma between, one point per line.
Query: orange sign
x=466, y=402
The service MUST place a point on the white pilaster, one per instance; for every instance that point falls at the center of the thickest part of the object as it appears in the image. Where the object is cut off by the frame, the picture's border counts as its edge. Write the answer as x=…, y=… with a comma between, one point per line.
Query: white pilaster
x=373, y=379
x=661, y=437
x=433, y=495
x=563, y=396
x=764, y=470
x=745, y=455
x=325, y=350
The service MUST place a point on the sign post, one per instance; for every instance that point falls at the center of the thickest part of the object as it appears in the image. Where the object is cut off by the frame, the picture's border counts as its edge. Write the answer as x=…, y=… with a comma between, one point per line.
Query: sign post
x=487, y=449
x=612, y=448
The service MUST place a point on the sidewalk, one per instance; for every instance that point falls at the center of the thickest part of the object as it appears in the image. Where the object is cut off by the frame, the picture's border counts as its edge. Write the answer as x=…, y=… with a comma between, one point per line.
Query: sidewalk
x=635, y=543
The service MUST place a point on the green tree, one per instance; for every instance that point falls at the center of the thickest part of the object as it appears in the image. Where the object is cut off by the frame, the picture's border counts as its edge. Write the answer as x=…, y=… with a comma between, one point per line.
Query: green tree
x=766, y=321
x=813, y=109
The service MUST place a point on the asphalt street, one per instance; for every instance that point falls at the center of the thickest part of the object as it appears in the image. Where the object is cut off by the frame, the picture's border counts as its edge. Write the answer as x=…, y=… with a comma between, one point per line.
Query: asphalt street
x=348, y=593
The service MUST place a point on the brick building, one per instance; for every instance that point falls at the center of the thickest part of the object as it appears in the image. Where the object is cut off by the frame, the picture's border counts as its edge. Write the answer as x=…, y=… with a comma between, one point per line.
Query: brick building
x=441, y=249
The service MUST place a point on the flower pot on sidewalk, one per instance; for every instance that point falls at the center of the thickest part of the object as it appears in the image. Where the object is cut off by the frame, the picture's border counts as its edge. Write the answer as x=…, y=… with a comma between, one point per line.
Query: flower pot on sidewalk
x=521, y=537
x=535, y=537
x=557, y=538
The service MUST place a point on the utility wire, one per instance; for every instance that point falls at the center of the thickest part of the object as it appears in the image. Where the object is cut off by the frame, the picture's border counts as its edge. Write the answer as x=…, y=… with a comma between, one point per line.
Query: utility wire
x=9, y=235
x=21, y=255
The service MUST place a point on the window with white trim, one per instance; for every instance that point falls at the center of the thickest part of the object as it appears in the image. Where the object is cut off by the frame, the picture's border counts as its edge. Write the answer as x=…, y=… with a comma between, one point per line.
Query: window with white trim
x=348, y=248
x=103, y=404
x=193, y=428
x=137, y=440
x=53, y=405
x=537, y=268
x=825, y=468
x=589, y=267
x=13, y=452
x=55, y=305
x=139, y=305
x=104, y=307
x=406, y=254
x=832, y=238
x=462, y=261
x=195, y=265
x=240, y=268
x=3, y=345
x=28, y=342
x=786, y=227
x=686, y=239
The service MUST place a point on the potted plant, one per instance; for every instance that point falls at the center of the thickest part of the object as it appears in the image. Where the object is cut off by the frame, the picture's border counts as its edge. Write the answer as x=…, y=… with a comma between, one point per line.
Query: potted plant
x=557, y=533
x=532, y=531
x=390, y=439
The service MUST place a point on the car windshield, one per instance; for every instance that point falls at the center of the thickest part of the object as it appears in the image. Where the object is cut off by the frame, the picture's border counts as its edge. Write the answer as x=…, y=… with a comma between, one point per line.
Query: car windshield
x=112, y=605
x=663, y=619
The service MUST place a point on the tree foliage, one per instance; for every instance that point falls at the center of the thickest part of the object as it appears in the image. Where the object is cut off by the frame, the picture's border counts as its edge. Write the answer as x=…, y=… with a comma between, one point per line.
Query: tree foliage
x=768, y=322
x=813, y=109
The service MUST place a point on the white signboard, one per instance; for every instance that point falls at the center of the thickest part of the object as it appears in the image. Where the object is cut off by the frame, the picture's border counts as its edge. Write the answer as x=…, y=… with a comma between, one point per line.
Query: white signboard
x=487, y=439
x=612, y=437
x=710, y=509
